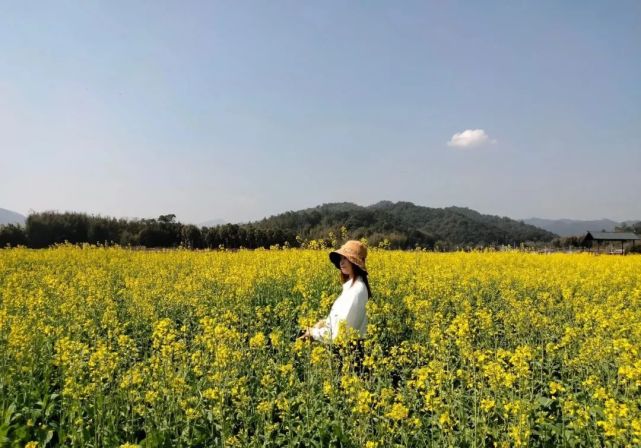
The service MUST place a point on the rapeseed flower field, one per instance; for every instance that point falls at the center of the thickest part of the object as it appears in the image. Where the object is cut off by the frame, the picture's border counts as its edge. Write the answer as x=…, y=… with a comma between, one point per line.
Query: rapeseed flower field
x=105, y=346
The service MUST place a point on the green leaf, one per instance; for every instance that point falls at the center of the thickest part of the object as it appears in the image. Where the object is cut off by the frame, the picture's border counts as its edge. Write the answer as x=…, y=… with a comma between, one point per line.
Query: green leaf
x=48, y=437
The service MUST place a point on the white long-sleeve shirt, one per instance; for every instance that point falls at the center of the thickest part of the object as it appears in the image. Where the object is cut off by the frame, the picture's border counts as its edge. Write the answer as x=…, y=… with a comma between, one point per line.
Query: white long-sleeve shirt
x=348, y=307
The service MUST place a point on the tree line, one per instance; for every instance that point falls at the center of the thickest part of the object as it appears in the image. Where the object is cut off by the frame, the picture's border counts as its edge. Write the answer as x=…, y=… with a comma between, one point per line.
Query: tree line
x=48, y=228
x=400, y=225
x=45, y=229
x=630, y=227
x=324, y=226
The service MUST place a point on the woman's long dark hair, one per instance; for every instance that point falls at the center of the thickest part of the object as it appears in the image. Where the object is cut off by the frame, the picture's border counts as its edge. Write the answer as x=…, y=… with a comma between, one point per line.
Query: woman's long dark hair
x=357, y=272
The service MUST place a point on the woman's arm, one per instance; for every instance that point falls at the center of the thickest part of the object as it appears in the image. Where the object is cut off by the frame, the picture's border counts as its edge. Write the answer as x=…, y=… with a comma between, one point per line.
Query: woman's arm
x=317, y=332
x=320, y=331
x=321, y=323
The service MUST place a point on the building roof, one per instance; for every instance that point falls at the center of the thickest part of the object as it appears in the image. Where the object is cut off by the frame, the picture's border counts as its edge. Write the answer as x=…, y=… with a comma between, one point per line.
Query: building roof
x=613, y=236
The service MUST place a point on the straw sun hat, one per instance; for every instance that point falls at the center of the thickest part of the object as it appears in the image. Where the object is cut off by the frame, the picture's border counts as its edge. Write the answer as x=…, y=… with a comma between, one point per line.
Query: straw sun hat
x=354, y=251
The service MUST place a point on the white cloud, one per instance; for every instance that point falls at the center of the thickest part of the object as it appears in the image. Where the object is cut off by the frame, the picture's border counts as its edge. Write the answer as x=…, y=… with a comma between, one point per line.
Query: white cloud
x=469, y=138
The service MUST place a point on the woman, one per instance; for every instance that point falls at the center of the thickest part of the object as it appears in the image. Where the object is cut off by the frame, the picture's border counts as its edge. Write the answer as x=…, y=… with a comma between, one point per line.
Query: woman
x=349, y=309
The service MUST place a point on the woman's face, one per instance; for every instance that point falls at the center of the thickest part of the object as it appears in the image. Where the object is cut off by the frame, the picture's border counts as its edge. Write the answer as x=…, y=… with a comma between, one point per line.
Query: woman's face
x=346, y=266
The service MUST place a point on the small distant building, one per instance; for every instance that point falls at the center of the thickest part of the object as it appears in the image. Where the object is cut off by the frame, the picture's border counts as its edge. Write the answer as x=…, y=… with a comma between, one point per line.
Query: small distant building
x=610, y=237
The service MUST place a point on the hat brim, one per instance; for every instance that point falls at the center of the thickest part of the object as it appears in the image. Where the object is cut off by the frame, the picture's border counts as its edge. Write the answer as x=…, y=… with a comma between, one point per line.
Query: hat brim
x=335, y=258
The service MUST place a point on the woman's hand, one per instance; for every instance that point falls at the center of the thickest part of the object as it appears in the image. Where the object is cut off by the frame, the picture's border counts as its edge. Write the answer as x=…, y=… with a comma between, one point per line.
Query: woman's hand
x=308, y=331
x=306, y=335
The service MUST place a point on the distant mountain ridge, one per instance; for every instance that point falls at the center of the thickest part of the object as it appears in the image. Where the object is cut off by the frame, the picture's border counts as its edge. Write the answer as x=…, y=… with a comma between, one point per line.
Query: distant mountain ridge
x=212, y=222
x=405, y=221
x=10, y=217
x=575, y=227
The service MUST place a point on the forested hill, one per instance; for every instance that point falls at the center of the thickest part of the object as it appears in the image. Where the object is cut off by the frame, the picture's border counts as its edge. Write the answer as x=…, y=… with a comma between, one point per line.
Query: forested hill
x=400, y=225
x=405, y=224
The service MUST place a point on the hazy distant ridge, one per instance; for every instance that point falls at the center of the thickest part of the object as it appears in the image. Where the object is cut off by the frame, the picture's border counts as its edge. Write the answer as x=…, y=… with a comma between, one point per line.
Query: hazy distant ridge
x=9, y=217
x=212, y=223
x=573, y=227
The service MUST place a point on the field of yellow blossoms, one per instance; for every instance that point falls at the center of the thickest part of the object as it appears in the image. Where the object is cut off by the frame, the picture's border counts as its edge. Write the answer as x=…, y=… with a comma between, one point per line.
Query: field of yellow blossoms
x=118, y=347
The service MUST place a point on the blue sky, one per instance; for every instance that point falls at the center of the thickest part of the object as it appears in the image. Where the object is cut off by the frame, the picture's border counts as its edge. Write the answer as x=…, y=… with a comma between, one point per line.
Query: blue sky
x=240, y=110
